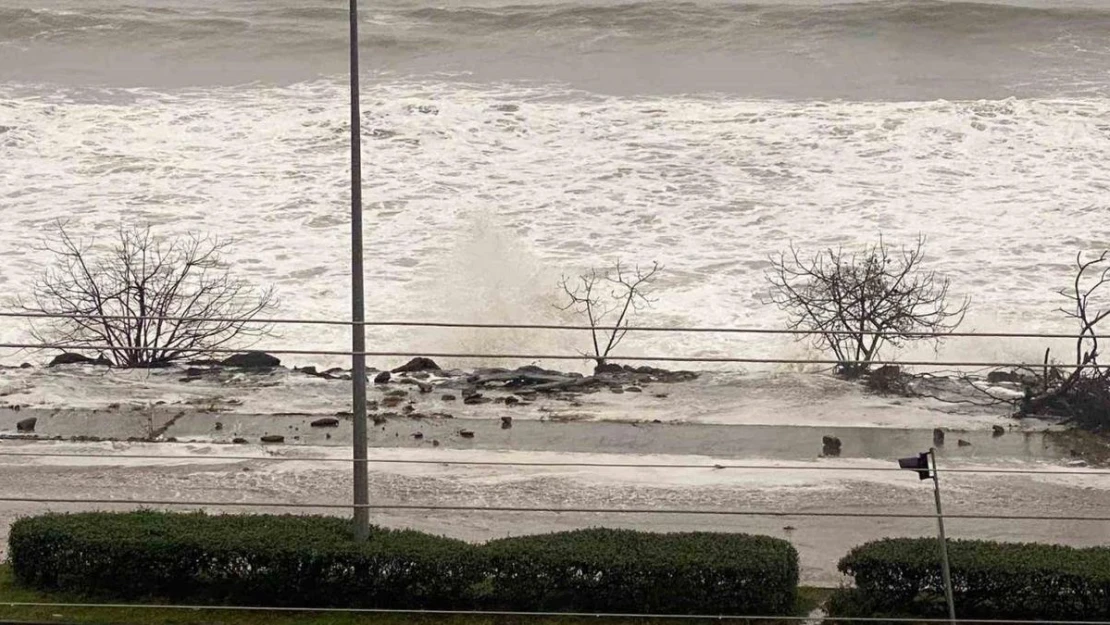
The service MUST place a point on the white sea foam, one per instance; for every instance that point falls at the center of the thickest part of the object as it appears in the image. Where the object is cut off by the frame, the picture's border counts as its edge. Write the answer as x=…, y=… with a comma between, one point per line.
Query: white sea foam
x=480, y=196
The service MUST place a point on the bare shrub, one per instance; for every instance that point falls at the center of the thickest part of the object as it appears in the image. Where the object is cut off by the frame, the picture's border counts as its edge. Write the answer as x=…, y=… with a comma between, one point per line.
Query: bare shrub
x=857, y=303
x=607, y=301
x=1083, y=395
x=119, y=299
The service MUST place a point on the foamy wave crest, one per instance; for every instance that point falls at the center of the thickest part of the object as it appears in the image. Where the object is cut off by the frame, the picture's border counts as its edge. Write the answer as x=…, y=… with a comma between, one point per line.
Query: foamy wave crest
x=1007, y=191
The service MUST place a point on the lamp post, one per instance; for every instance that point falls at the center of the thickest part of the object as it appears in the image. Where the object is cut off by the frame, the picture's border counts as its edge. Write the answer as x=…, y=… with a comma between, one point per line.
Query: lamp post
x=925, y=465
x=358, y=312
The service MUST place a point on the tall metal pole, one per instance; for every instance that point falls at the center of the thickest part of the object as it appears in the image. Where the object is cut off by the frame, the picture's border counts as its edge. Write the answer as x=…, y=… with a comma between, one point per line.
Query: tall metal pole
x=358, y=312
x=946, y=572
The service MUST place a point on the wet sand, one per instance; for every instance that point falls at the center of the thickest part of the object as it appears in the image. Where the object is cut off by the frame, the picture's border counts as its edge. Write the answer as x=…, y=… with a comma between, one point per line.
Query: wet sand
x=197, y=473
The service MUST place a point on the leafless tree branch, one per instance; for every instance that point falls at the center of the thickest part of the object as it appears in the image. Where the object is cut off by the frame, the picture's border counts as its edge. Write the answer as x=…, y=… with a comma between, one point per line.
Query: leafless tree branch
x=1084, y=394
x=627, y=295
x=145, y=278
x=847, y=297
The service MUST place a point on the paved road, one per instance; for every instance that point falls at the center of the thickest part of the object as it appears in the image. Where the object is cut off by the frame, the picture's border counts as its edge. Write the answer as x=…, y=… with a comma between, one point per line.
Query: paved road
x=196, y=473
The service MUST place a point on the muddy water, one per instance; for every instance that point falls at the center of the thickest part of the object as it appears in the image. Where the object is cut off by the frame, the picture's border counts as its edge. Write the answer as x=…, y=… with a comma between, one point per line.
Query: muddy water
x=714, y=440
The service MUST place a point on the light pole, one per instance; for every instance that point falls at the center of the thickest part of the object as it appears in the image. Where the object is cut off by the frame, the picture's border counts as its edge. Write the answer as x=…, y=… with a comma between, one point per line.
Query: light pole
x=925, y=464
x=358, y=312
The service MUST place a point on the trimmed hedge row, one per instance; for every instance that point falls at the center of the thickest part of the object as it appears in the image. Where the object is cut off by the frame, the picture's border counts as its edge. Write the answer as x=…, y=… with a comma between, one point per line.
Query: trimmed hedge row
x=605, y=570
x=901, y=576
x=244, y=560
x=313, y=561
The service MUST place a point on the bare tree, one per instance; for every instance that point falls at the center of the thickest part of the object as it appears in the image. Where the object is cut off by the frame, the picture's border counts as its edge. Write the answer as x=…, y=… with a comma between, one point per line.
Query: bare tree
x=147, y=300
x=597, y=296
x=1084, y=394
x=859, y=302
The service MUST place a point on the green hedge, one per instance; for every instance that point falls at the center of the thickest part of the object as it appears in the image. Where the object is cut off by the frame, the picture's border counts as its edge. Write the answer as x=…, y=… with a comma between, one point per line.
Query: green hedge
x=244, y=560
x=990, y=580
x=605, y=570
x=312, y=561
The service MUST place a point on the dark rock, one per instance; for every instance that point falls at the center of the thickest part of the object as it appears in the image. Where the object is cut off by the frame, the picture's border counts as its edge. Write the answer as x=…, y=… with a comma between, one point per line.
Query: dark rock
x=633, y=389
x=616, y=390
x=418, y=364
x=309, y=370
x=239, y=441
x=193, y=372
x=418, y=436
x=397, y=393
x=204, y=362
x=661, y=395
x=962, y=443
x=608, y=368
x=325, y=422
x=997, y=431
x=887, y=371
x=26, y=425
x=534, y=370
x=26, y=365
x=273, y=438
x=380, y=419
x=466, y=434
x=408, y=410
x=424, y=387
x=887, y=379
x=448, y=397
x=662, y=375
x=393, y=402
x=830, y=446
x=383, y=378
x=252, y=360
x=506, y=423
x=344, y=413
x=475, y=399
x=938, y=437
x=512, y=401
x=435, y=443
x=218, y=427
x=996, y=377
x=71, y=359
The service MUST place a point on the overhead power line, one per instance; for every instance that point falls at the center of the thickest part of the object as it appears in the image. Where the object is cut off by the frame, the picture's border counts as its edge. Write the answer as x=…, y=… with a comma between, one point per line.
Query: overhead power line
x=1064, y=472
x=547, y=509
x=506, y=613
x=552, y=326
x=515, y=356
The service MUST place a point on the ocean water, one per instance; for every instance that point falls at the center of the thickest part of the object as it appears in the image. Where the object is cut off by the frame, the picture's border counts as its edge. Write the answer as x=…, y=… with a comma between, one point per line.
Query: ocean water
x=507, y=144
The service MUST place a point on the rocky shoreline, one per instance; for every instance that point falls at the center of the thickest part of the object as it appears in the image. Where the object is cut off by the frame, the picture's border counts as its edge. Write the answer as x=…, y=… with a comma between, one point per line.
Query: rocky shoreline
x=251, y=398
